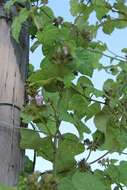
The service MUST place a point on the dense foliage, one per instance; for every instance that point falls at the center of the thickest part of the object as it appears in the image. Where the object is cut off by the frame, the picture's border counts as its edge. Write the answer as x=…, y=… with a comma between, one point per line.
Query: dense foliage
x=62, y=90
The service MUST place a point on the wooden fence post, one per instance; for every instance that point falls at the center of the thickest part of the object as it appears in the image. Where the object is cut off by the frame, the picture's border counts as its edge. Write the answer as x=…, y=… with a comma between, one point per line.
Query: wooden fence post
x=13, y=72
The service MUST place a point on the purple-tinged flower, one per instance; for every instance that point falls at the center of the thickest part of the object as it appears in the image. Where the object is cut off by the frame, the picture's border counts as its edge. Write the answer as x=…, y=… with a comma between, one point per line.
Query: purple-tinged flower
x=39, y=100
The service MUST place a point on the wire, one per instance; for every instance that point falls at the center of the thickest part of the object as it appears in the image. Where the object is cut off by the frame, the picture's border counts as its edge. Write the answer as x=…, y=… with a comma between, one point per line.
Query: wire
x=10, y=104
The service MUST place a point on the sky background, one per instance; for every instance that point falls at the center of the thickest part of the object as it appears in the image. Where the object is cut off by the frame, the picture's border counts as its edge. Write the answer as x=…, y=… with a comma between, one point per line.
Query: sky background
x=115, y=42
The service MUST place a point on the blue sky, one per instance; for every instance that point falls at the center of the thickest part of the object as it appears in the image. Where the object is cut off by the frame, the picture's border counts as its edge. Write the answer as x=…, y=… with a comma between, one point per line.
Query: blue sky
x=115, y=42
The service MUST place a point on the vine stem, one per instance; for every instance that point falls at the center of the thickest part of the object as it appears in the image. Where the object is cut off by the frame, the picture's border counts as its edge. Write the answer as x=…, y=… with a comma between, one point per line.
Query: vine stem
x=99, y=158
x=115, y=54
x=125, y=153
x=91, y=99
x=119, y=12
x=90, y=151
x=55, y=148
x=46, y=14
x=40, y=131
x=56, y=139
x=96, y=51
x=35, y=153
x=34, y=160
x=55, y=154
x=120, y=186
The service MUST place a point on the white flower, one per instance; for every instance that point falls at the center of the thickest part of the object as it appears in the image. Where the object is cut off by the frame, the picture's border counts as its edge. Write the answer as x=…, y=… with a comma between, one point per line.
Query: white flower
x=30, y=98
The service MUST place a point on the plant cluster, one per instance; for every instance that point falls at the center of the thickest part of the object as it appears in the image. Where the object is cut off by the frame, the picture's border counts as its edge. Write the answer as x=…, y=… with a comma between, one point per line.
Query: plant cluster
x=62, y=90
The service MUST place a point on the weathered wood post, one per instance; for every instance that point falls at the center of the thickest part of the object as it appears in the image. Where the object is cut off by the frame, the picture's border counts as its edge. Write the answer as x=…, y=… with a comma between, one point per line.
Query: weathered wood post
x=13, y=72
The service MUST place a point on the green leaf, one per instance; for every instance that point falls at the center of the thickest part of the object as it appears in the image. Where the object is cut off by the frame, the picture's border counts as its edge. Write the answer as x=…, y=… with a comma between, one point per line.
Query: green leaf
x=66, y=184
x=9, y=4
x=44, y=1
x=63, y=105
x=38, y=21
x=86, y=11
x=78, y=104
x=113, y=172
x=120, y=23
x=82, y=128
x=34, y=139
x=86, y=61
x=43, y=17
x=96, y=92
x=46, y=149
x=98, y=138
x=48, y=128
x=30, y=139
x=22, y=183
x=35, y=113
x=101, y=8
x=31, y=69
x=50, y=73
x=124, y=50
x=34, y=46
x=88, y=181
x=46, y=14
x=79, y=125
x=68, y=80
x=120, y=5
x=108, y=26
x=92, y=110
x=72, y=118
x=122, y=172
x=114, y=102
x=109, y=85
x=115, y=138
x=83, y=84
x=101, y=119
x=26, y=118
x=51, y=70
x=75, y=8
x=68, y=147
x=28, y=165
x=98, y=46
x=117, y=173
x=52, y=97
x=114, y=69
x=83, y=62
x=49, y=35
x=17, y=23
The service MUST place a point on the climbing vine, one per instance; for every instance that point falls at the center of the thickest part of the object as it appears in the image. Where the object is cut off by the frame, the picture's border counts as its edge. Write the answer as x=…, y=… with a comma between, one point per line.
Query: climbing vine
x=61, y=90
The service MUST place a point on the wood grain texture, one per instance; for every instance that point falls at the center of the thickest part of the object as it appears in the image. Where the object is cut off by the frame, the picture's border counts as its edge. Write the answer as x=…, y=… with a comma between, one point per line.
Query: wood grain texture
x=10, y=155
x=13, y=72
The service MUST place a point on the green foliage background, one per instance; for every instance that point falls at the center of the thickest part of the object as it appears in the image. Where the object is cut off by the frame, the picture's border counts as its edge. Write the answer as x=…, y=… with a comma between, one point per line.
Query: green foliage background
x=71, y=51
